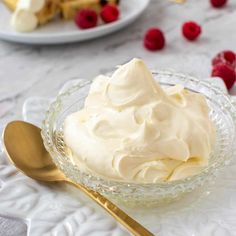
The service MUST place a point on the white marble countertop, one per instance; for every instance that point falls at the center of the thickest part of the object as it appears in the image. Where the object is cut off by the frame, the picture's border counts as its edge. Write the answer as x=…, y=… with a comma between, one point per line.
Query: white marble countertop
x=40, y=71
x=27, y=71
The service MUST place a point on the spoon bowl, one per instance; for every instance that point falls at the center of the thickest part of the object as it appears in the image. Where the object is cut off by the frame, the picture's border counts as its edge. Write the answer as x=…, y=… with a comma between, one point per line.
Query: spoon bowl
x=25, y=149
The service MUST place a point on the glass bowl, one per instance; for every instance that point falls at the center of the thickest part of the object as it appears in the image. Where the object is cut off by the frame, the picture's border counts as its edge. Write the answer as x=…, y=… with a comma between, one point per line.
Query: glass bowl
x=222, y=113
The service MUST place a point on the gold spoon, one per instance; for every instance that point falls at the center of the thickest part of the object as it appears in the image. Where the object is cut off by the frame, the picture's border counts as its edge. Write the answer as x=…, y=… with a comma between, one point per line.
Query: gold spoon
x=25, y=149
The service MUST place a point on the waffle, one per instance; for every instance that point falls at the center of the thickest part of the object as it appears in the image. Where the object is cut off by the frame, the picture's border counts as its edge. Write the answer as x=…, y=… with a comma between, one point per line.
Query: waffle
x=49, y=11
x=70, y=7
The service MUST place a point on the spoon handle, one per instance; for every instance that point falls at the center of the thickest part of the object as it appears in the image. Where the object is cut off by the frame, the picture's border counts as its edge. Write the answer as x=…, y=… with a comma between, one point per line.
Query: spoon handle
x=133, y=226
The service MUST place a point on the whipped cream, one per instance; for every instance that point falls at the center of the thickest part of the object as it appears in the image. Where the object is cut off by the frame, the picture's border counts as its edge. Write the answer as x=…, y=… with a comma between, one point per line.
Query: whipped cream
x=24, y=21
x=131, y=129
x=24, y=18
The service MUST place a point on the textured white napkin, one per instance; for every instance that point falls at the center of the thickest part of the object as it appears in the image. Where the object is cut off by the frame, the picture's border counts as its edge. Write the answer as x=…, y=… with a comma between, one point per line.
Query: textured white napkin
x=12, y=226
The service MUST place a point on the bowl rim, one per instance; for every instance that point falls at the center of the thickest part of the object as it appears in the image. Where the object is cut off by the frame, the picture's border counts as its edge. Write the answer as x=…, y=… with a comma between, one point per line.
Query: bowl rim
x=48, y=140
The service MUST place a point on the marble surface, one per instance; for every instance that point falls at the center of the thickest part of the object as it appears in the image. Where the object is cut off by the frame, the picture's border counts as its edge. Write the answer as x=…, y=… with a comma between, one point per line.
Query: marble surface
x=40, y=71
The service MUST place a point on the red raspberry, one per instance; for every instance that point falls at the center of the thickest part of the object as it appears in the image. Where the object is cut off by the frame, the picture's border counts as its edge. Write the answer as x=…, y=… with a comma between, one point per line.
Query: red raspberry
x=110, y=13
x=86, y=19
x=218, y=3
x=225, y=57
x=154, y=39
x=226, y=73
x=191, y=30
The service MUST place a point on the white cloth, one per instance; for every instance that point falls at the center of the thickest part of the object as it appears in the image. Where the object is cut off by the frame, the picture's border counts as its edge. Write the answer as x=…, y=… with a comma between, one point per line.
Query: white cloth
x=11, y=226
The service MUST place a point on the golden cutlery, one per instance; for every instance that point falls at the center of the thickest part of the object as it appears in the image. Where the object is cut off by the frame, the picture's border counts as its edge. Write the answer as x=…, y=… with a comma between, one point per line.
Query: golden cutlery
x=25, y=149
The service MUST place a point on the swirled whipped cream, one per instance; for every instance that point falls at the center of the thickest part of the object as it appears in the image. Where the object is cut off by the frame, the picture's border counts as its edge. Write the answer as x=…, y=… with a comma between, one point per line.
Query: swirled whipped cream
x=131, y=129
x=24, y=18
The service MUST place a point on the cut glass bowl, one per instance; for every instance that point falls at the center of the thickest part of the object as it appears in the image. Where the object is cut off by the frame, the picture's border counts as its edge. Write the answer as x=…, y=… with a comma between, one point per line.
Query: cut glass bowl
x=222, y=113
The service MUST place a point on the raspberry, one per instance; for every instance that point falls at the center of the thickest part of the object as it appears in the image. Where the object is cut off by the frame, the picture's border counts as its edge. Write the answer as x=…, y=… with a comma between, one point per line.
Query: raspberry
x=218, y=3
x=226, y=73
x=109, y=13
x=225, y=57
x=191, y=30
x=154, y=39
x=86, y=19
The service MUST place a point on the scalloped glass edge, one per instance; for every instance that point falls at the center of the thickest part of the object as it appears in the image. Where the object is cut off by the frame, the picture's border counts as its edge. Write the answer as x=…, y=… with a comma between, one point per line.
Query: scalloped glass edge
x=144, y=193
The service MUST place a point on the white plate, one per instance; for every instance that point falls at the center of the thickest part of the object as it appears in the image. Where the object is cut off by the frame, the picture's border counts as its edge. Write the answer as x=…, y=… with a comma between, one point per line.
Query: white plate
x=59, y=31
